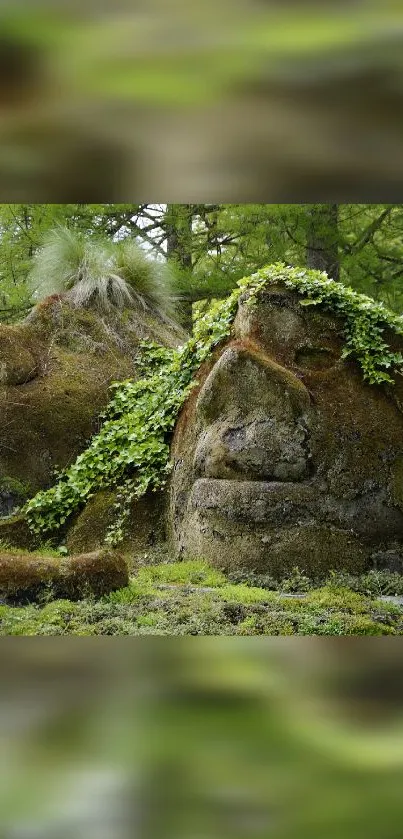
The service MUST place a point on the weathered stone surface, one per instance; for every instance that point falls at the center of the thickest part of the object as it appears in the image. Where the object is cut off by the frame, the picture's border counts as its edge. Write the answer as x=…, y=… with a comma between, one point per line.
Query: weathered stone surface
x=256, y=421
x=283, y=456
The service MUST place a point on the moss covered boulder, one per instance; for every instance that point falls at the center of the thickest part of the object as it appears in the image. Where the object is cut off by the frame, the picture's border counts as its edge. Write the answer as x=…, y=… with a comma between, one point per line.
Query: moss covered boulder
x=26, y=577
x=145, y=527
x=55, y=370
x=283, y=455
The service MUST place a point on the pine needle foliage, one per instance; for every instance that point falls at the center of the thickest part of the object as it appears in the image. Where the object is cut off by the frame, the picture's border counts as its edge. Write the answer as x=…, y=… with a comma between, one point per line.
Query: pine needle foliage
x=131, y=451
x=96, y=271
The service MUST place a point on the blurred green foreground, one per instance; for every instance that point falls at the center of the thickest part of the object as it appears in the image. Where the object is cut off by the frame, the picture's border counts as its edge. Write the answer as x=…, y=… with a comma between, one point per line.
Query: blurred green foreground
x=201, y=737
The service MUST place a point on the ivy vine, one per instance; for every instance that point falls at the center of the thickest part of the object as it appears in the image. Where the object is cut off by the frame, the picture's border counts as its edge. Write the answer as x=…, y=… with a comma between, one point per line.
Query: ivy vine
x=131, y=451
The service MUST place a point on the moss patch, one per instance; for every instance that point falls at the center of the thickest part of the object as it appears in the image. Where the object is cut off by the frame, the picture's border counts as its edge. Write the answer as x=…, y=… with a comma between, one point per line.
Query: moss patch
x=317, y=548
x=14, y=531
x=17, y=362
x=396, y=483
x=145, y=526
x=91, y=525
x=51, y=418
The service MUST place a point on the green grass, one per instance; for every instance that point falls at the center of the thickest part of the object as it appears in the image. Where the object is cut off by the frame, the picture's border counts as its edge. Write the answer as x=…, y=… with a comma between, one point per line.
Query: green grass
x=45, y=550
x=191, y=598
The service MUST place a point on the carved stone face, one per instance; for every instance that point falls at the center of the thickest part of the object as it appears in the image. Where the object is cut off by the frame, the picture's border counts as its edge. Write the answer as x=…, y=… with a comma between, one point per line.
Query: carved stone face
x=283, y=456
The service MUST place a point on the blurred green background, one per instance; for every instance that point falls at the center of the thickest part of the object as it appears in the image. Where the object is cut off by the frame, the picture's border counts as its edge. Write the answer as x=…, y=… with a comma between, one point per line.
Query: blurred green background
x=219, y=101
x=202, y=738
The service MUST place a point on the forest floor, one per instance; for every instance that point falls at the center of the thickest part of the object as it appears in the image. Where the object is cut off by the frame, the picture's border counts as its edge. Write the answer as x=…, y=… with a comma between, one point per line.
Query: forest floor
x=165, y=597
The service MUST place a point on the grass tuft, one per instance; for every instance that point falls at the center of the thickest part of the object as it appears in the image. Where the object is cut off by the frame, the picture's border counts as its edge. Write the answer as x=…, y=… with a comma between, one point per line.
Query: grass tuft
x=95, y=271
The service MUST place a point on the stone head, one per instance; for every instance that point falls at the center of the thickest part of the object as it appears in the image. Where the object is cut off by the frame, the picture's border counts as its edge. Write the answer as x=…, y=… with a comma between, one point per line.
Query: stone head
x=283, y=456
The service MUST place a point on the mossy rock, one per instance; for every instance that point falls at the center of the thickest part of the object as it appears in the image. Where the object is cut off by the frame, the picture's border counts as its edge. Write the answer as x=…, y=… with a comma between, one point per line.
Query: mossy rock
x=55, y=371
x=27, y=577
x=88, y=531
x=14, y=532
x=145, y=527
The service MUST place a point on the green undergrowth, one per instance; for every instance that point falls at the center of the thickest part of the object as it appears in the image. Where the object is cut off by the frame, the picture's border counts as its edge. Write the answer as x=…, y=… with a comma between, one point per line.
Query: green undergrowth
x=191, y=598
x=131, y=451
x=373, y=583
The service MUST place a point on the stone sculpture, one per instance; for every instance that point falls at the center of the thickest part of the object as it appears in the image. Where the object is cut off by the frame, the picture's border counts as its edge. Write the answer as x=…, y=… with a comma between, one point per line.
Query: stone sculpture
x=283, y=456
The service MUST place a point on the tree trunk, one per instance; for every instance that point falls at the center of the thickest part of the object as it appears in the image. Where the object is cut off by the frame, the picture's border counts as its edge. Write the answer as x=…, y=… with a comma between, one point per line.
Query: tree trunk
x=322, y=247
x=178, y=225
